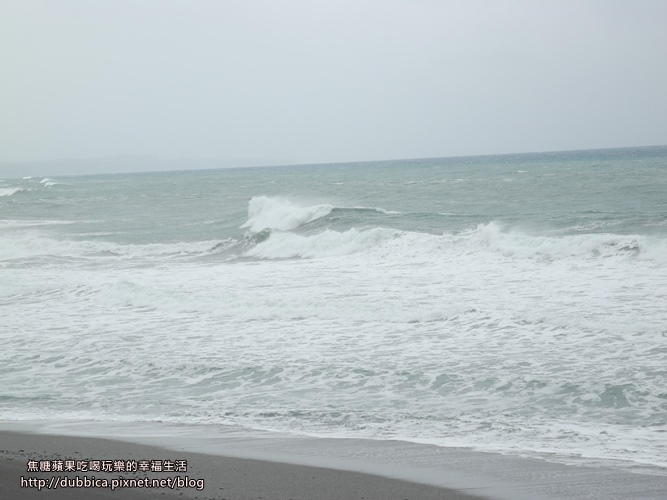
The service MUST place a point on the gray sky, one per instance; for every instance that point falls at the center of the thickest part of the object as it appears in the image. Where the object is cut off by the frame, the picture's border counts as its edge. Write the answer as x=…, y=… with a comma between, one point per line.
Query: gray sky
x=313, y=81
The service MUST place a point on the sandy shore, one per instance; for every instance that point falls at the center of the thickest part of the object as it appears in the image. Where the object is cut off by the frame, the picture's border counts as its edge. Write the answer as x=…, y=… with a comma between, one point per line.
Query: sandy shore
x=238, y=463
x=223, y=477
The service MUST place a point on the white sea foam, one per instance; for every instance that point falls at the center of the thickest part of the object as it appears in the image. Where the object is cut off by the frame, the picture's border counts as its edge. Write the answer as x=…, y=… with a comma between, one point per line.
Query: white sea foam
x=325, y=244
x=414, y=336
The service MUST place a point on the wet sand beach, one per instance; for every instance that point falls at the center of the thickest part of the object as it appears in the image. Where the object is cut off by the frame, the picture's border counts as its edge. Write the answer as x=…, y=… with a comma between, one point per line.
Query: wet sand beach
x=235, y=463
x=223, y=477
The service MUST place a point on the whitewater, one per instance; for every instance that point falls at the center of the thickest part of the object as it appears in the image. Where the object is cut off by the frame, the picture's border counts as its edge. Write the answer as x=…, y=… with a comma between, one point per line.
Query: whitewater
x=511, y=303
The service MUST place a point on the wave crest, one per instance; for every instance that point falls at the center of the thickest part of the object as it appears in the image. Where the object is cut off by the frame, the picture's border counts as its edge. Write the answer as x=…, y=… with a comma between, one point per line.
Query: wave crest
x=325, y=244
x=10, y=191
x=281, y=213
x=583, y=246
x=490, y=239
x=17, y=250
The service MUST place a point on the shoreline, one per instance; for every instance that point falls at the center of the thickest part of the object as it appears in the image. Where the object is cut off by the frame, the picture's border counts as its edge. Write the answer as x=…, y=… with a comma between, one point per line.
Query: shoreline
x=220, y=477
x=241, y=463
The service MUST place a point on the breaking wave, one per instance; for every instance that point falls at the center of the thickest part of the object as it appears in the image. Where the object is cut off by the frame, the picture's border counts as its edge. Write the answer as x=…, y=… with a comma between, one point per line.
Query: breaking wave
x=284, y=214
x=325, y=244
x=10, y=191
x=281, y=213
x=485, y=238
x=517, y=244
x=44, y=250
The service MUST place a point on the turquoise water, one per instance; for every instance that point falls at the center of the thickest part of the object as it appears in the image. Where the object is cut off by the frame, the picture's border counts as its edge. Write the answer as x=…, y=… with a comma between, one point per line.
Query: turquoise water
x=512, y=303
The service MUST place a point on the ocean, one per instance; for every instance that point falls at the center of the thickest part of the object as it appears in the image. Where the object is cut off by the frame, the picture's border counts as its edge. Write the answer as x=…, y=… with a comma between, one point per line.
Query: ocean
x=510, y=303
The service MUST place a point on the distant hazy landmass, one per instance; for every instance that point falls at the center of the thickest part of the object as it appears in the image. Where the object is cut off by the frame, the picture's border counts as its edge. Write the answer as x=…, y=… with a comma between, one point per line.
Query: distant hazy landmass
x=120, y=164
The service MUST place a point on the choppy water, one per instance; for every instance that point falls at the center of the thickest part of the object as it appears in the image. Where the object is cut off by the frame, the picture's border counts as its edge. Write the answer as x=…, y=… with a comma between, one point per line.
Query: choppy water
x=514, y=303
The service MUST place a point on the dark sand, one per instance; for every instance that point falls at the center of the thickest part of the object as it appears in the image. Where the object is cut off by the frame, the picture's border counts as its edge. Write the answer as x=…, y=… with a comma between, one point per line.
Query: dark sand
x=224, y=477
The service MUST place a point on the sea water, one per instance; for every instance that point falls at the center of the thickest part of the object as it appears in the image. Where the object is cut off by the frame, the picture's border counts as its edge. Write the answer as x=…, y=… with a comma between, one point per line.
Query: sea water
x=513, y=303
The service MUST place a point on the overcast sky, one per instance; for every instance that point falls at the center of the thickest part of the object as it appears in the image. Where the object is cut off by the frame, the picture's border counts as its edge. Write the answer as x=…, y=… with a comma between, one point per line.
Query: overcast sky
x=314, y=81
